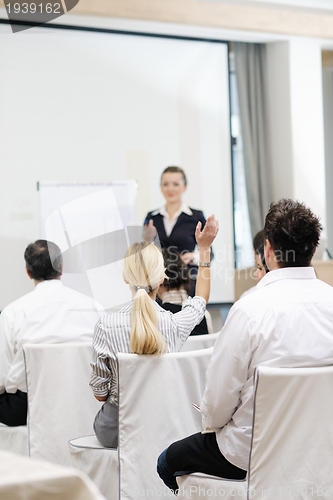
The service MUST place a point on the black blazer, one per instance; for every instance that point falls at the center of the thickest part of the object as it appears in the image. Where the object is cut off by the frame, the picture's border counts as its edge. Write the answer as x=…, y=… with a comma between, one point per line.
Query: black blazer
x=182, y=237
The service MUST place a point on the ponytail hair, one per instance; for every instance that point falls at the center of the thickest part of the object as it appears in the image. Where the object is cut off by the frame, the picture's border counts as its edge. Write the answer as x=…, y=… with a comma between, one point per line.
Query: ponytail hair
x=144, y=270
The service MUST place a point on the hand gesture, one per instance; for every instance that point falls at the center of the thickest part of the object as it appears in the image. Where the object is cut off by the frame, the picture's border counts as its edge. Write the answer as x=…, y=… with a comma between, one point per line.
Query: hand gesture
x=149, y=232
x=206, y=237
x=187, y=257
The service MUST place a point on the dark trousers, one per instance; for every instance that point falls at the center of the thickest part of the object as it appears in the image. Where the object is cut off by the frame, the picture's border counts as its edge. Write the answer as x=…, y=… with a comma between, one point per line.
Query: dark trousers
x=13, y=408
x=196, y=453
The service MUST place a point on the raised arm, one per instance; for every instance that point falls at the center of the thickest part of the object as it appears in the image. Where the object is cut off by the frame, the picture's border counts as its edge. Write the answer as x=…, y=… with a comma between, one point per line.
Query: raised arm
x=204, y=240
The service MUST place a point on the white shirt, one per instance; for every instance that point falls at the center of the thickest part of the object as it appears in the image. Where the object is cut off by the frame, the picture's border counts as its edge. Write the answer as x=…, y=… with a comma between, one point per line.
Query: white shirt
x=51, y=313
x=247, y=292
x=288, y=322
x=112, y=335
x=168, y=222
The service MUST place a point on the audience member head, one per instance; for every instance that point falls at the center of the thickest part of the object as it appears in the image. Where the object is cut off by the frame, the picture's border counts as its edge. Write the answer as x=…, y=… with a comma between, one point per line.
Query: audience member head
x=259, y=256
x=43, y=260
x=292, y=233
x=258, y=240
x=143, y=270
x=177, y=273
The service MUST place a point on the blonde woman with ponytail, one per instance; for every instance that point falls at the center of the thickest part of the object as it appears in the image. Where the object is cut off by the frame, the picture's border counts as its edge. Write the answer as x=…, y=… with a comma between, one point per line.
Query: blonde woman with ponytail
x=144, y=271
x=142, y=326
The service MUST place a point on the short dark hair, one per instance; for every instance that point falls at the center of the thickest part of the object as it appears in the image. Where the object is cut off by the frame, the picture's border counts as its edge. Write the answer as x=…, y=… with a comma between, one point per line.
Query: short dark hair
x=261, y=252
x=293, y=231
x=176, y=270
x=43, y=260
x=258, y=247
x=174, y=170
x=258, y=240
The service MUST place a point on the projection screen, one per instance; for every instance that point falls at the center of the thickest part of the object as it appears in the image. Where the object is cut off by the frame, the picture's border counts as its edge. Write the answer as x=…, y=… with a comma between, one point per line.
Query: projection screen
x=90, y=107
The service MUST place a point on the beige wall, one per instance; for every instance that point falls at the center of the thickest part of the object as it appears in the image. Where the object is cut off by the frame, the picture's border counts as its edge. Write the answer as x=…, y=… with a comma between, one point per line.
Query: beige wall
x=327, y=58
x=228, y=14
x=244, y=278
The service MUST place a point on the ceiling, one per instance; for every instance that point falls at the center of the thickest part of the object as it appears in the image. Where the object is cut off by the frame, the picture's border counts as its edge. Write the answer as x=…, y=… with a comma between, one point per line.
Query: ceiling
x=313, y=5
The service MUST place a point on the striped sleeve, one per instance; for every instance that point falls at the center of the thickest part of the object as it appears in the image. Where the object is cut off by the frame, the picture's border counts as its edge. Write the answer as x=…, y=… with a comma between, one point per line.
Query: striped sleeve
x=102, y=375
x=193, y=311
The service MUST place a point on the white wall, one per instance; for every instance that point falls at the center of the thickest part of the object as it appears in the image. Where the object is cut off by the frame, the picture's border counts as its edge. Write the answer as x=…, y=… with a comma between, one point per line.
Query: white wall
x=78, y=106
x=279, y=115
x=296, y=133
x=328, y=121
x=296, y=122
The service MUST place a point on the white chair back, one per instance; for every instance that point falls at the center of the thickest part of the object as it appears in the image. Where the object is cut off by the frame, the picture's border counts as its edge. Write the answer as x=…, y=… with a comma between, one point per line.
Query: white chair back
x=155, y=408
x=14, y=439
x=292, y=438
x=197, y=342
x=60, y=401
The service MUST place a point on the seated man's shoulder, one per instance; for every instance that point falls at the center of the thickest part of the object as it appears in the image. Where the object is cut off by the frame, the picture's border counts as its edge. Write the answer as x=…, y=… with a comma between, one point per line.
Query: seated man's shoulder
x=263, y=300
x=324, y=286
x=286, y=294
x=252, y=298
x=19, y=304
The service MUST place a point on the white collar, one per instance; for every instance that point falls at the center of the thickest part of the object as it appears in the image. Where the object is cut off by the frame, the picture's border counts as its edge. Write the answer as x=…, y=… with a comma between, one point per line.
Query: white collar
x=47, y=284
x=183, y=209
x=288, y=273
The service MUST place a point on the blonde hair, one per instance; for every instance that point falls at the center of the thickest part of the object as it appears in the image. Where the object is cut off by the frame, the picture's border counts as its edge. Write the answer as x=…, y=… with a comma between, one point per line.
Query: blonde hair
x=144, y=270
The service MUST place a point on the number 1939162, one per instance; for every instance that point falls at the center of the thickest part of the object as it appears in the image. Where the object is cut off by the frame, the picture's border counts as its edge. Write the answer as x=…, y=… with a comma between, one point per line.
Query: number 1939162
x=25, y=8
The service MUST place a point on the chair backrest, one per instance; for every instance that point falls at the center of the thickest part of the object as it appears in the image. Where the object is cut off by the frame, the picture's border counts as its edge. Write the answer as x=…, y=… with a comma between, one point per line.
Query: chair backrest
x=292, y=437
x=155, y=409
x=60, y=402
x=197, y=342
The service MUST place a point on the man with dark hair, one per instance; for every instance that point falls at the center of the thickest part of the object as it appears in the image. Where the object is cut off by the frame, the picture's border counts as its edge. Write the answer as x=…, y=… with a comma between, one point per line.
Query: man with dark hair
x=52, y=313
x=292, y=232
x=43, y=260
x=288, y=322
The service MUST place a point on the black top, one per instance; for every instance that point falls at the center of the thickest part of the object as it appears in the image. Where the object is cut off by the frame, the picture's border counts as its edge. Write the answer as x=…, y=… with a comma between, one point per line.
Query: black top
x=200, y=329
x=182, y=237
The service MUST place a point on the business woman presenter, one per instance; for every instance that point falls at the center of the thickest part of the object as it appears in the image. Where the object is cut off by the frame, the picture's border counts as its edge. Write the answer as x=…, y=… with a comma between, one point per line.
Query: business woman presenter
x=175, y=223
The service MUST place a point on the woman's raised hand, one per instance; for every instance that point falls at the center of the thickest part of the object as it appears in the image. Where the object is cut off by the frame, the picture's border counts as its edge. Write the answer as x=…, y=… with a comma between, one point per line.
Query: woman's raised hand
x=206, y=237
